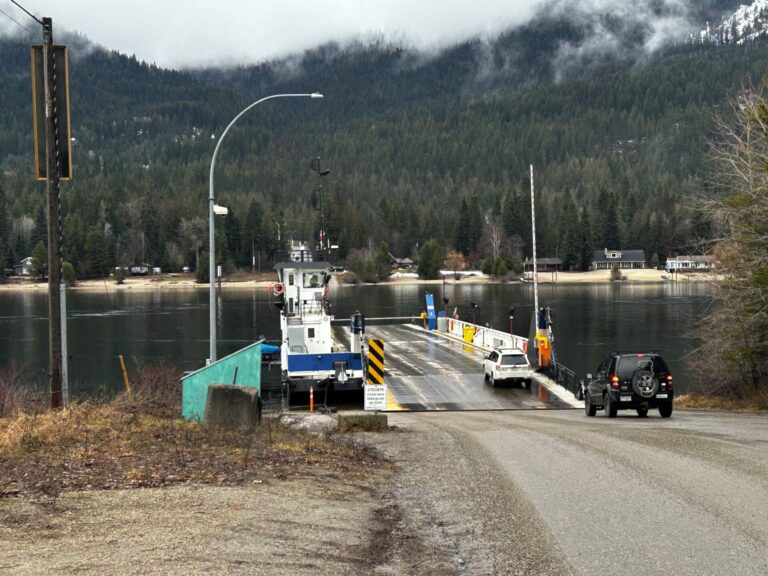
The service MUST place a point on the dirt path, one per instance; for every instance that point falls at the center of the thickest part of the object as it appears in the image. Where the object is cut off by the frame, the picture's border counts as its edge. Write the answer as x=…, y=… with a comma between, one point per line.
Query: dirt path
x=285, y=527
x=321, y=520
x=482, y=493
x=440, y=510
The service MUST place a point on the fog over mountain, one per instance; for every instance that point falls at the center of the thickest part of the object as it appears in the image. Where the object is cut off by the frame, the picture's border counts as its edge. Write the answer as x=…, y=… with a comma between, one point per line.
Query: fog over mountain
x=193, y=33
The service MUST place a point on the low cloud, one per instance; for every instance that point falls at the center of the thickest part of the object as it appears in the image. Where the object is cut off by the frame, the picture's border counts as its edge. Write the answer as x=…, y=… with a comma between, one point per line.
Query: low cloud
x=191, y=33
x=624, y=29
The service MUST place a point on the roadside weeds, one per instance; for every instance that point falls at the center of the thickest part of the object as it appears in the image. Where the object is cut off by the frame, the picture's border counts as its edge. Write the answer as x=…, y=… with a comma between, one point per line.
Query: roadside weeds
x=708, y=402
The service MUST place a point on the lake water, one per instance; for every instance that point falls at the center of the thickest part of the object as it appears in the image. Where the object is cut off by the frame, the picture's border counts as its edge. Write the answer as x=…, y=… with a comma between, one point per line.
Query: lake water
x=589, y=321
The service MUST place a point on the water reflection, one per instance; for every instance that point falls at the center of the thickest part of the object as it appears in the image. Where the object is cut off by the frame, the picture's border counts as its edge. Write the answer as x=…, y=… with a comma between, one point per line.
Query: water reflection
x=589, y=320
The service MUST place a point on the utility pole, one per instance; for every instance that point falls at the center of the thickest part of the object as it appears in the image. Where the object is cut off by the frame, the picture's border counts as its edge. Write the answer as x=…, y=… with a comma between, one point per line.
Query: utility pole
x=53, y=166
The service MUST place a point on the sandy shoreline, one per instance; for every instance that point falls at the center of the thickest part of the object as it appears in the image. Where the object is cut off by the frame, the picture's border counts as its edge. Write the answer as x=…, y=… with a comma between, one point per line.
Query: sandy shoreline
x=264, y=281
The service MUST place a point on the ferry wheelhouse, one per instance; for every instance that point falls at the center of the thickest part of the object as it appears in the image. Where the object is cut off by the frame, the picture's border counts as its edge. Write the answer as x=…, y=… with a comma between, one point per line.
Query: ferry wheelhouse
x=309, y=354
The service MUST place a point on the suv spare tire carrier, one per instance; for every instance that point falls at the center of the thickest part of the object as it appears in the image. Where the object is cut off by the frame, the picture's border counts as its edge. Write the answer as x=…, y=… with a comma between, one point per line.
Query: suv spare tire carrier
x=645, y=384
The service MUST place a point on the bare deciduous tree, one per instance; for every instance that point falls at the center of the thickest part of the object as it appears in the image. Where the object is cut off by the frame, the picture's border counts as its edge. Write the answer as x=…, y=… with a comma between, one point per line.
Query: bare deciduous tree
x=733, y=356
x=494, y=235
x=193, y=233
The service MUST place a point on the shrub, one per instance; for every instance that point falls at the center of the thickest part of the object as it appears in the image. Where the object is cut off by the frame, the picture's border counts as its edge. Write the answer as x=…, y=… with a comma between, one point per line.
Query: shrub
x=201, y=271
x=16, y=394
x=157, y=389
x=68, y=274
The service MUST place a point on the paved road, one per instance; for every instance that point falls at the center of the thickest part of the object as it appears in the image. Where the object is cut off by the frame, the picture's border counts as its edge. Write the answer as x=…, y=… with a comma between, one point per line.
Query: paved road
x=426, y=371
x=555, y=492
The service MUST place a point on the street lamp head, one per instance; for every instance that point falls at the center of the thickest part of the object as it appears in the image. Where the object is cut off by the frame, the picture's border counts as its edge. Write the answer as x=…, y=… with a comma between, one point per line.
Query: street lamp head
x=315, y=95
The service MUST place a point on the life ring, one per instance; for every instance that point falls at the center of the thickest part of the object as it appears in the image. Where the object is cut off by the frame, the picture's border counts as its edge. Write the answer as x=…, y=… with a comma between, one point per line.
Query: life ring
x=278, y=288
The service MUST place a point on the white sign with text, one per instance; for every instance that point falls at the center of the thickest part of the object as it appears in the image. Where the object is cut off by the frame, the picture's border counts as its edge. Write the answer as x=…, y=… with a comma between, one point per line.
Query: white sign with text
x=375, y=397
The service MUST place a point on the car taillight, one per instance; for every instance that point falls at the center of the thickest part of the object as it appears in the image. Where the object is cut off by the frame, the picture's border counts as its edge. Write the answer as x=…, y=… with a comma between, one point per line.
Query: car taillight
x=498, y=366
x=669, y=380
x=615, y=382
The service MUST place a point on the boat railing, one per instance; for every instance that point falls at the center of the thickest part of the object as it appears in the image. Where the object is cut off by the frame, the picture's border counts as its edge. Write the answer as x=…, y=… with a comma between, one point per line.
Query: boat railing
x=301, y=255
x=485, y=336
x=309, y=308
x=564, y=377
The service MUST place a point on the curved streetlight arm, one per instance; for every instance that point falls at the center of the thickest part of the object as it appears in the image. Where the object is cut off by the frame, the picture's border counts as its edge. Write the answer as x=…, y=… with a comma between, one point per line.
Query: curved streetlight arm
x=211, y=197
x=236, y=118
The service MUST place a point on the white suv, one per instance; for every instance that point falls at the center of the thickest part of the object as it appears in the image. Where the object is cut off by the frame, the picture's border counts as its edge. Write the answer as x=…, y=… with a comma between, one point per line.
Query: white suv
x=507, y=364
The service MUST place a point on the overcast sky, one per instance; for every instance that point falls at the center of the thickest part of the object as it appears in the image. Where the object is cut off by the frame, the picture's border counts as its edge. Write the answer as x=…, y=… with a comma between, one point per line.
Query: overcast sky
x=176, y=33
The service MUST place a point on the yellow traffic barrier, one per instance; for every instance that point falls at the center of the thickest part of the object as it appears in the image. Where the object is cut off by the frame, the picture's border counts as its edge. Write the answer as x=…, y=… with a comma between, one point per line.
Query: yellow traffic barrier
x=375, y=361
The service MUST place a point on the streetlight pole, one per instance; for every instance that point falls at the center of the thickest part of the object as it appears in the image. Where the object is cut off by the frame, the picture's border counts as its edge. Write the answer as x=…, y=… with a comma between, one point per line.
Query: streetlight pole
x=211, y=198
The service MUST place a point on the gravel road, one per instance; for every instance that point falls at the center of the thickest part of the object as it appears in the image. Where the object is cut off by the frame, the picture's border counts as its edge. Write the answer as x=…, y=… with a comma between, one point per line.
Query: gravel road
x=553, y=492
x=537, y=492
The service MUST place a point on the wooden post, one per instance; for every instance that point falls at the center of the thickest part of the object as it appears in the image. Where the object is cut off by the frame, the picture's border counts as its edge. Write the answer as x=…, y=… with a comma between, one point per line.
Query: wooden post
x=52, y=136
x=128, y=389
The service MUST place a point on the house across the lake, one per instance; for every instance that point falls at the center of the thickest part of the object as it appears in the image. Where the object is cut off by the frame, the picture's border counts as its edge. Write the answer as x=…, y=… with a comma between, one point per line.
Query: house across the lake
x=139, y=270
x=23, y=268
x=543, y=265
x=608, y=259
x=690, y=263
x=401, y=263
x=549, y=266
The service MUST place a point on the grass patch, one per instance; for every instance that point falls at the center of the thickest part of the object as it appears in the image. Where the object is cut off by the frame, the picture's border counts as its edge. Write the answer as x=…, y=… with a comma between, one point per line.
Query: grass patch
x=141, y=442
x=116, y=446
x=694, y=401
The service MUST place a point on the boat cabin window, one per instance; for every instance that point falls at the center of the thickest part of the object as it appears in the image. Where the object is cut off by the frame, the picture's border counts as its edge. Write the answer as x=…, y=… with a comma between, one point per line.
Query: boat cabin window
x=310, y=332
x=313, y=279
x=290, y=279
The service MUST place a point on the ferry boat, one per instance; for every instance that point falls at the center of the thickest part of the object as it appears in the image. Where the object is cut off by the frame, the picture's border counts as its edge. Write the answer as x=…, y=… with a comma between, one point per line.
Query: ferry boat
x=309, y=356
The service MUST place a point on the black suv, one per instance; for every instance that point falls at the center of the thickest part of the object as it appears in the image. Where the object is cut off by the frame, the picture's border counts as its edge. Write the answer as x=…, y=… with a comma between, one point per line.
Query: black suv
x=637, y=381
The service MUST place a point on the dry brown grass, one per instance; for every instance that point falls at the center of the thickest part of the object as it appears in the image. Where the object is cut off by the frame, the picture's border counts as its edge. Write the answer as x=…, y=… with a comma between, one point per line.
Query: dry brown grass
x=157, y=389
x=119, y=444
x=694, y=401
x=16, y=394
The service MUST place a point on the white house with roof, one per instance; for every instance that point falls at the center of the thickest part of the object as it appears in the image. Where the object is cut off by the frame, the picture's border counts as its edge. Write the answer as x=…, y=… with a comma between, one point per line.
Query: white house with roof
x=23, y=268
x=608, y=259
x=690, y=263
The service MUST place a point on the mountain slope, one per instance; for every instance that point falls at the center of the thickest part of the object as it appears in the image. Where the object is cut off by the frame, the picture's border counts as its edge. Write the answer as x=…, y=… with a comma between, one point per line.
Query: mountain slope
x=407, y=136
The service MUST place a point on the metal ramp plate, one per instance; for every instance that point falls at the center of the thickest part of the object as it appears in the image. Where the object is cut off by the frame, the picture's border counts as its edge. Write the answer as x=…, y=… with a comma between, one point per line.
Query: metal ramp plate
x=425, y=372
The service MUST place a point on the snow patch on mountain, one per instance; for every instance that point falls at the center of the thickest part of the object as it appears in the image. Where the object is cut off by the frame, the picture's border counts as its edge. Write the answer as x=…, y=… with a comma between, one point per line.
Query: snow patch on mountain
x=748, y=23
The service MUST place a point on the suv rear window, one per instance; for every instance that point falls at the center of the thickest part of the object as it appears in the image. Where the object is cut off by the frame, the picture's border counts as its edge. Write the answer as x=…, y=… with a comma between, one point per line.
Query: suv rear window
x=628, y=365
x=513, y=360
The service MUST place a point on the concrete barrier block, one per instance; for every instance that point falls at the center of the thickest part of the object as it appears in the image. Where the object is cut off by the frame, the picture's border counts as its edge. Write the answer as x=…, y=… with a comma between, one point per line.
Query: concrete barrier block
x=233, y=407
x=368, y=421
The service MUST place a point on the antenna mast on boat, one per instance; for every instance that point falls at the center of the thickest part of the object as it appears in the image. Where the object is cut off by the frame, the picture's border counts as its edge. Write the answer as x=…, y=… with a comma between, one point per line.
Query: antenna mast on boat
x=535, y=271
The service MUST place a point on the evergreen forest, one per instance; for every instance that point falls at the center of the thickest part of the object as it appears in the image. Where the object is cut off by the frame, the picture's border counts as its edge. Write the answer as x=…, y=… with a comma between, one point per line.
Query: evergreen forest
x=422, y=150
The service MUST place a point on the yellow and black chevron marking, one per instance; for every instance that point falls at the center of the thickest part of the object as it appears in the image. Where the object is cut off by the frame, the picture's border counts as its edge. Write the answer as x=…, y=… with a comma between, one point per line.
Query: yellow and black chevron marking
x=375, y=361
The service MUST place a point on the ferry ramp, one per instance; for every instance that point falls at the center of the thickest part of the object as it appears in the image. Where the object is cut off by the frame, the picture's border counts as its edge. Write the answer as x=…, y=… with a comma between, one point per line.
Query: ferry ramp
x=427, y=371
